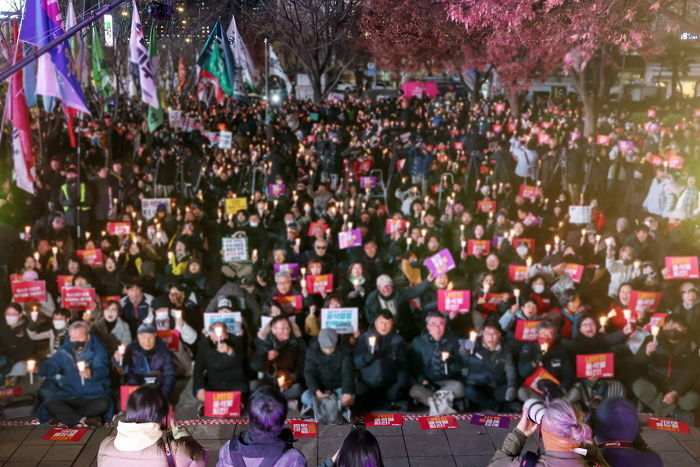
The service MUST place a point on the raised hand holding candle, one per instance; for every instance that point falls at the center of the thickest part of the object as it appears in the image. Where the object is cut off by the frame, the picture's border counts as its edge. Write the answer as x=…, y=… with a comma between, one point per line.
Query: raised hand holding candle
x=81, y=368
x=31, y=367
x=121, y=349
x=219, y=332
x=372, y=340
x=603, y=321
x=516, y=292
x=35, y=315
x=545, y=347
x=655, y=332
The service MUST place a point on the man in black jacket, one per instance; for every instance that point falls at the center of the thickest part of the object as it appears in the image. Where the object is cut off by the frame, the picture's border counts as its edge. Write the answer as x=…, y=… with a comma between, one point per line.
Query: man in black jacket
x=380, y=355
x=328, y=369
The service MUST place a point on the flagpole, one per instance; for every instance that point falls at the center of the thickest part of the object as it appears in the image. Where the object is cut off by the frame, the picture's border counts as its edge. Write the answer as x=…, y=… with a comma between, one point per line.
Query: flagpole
x=267, y=82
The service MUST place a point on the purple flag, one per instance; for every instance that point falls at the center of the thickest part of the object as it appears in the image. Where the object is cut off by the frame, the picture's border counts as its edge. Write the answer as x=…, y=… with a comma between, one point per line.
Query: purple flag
x=42, y=24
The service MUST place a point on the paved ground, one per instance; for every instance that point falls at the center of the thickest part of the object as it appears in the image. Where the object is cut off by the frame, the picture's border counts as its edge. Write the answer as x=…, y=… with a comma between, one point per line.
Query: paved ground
x=468, y=445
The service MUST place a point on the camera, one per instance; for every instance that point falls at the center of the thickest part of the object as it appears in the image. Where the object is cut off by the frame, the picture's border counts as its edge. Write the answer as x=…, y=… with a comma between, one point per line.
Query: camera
x=535, y=410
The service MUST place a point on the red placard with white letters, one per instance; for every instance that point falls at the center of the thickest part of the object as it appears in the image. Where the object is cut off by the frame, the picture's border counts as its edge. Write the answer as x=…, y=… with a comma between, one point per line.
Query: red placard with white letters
x=222, y=404
x=438, y=423
x=600, y=365
x=667, y=424
x=526, y=330
x=682, y=267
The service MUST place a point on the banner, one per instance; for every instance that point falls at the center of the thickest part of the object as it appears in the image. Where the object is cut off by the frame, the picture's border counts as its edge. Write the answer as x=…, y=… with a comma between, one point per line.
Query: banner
x=667, y=424
x=517, y=273
x=77, y=298
x=232, y=319
x=575, y=271
x=528, y=192
x=536, y=376
x=319, y=284
x=10, y=391
x=290, y=268
x=526, y=330
x=440, y=263
x=290, y=304
x=91, y=257
x=233, y=205
x=600, y=365
x=682, y=267
x=478, y=247
x=304, y=428
x=171, y=337
x=383, y=419
x=454, y=301
x=124, y=393
x=119, y=228
x=235, y=249
x=644, y=302
x=343, y=320
x=349, y=239
x=493, y=421
x=149, y=206
x=438, y=423
x=222, y=404
x=28, y=291
x=486, y=206
x=65, y=434
x=394, y=225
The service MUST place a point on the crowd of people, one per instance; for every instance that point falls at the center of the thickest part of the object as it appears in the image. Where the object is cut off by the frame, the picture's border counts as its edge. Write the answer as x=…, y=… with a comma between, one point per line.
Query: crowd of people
x=548, y=242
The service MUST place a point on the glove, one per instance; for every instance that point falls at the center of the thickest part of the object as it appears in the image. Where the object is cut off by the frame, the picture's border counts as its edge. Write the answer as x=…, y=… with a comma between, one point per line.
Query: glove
x=510, y=394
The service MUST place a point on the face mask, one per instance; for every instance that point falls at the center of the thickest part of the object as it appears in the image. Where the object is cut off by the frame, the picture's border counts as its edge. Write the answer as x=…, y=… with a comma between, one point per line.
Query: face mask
x=59, y=324
x=673, y=334
x=521, y=251
x=11, y=320
x=161, y=315
x=78, y=347
x=253, y=224
x=538, y=288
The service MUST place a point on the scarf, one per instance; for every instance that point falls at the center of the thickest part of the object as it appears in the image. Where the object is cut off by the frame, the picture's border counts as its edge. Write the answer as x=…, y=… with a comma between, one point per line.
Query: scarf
x=553, y=442
x=132, y=437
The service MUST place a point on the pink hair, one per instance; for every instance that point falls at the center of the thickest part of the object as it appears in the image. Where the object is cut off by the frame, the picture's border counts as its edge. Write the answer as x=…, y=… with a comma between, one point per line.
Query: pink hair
x=560, y=419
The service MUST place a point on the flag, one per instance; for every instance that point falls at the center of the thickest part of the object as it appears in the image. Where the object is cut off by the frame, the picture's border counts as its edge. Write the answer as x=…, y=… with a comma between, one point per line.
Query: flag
x=30, y=78
x=276, y=70
x=55, y=74
x=138, y=54
x=100, y=77
x=216, y=62
x=155, y=116
x=181, y=74
x=18, y=113
x=244, y=63
x=77, y=45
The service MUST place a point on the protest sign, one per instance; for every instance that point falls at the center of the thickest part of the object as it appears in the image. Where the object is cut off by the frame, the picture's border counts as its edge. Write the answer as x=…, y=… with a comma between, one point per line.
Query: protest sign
x=232, y=319
x=383, y=419
x=368, y=182
x=580, y=214
x=440, y=263
x=119, y=228
x=92, y=257
x=303, y=428
x=603, y=140
x=438, y=423
x=517, y=273
x=486, y=206
x=222, y=404
x=77, y=298
x=528, y=192
x=225, y=139
x=149, y=206
x=343, y=320
x=536, y=376
x=65, y=434
x=317, y=228
x=10, y=391
x=276, y=190
x=233, y=205
x=63, y=281
x=493, y=421
x=595, y=365
x=290, y=268
x=478, y=247
x=171, y=337
x=28, y=291
x=394, y=226
x=290, y=304
x=349, y=239
x=124, y=393
x=526, y=330
x=575, y=271
x=454, y=301
x=644, y=302
x=319, y=284
x=682, y=267
x=235, y=249
x=667, y=424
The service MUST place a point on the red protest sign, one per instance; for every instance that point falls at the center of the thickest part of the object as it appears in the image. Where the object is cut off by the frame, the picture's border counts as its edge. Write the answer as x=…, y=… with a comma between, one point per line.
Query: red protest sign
x=575, y=271
x=171, y=337
x=497, y=128
x=600, y=365
x=91, y=257
x=517, y=273
x=667, y=424
x=675, y=161
x=64, y=281
x=528, y=192
x=10, y=391
x=77, y=298
x=119, y=228
x=651, y=113
x=317, y=228
x=304, y=428
x=499, y=107
x=28, y=291
x=124, y=393
x=682, y=267
x=438, y=423
x=290, y=304
x=384, y=419
x=64, y=434
x=536, y=376
x=657, y=319
x=544, y=138
x=526, y=330
x=603, y=140
x=458, y=145
x=319, y=284
x=486, y=206
x=222, y=404
x=478, y=247
x=394, y=225
x=454, y=301
x=644, y=302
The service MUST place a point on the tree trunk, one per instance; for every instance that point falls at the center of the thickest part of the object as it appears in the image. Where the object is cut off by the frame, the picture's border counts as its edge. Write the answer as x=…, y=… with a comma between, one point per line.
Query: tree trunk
x=513, y=98
x=590, y=114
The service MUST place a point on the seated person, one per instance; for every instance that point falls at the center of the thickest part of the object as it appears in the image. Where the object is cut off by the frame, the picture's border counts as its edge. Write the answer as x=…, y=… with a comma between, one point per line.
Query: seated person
x=491, y=375
x=84, y=395
x=508, y=322
x=147, y=360
x=111, y=328
x=382, y=361
x=671, y=362
x=328, y=368
x=57, y=333
x=280, y=355
x=15, y=344
x=434, y=361
x=221, y=363
x=549, y=353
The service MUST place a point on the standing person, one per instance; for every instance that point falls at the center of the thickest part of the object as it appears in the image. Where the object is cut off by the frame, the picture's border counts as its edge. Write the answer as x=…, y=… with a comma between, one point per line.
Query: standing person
x=148, y=436
x=75, y=199
x=103, y=198
x=266, y=442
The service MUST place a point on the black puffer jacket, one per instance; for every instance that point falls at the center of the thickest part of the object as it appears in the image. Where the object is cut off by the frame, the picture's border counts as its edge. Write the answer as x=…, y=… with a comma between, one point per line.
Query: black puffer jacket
x=329, y=372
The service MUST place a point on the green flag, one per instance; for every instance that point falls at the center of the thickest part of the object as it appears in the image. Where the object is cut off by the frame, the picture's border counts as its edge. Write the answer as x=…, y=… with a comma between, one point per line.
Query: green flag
x=216, y=61
x=156, y=117
x=100, y=78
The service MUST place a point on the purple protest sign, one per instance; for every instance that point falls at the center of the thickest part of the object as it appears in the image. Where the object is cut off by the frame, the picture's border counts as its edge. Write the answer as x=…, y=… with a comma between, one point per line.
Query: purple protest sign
x=368, y=182
x=350, y=238
x=625, y=146
x=276, y=190
x=440, y=263
x=494, y=421
x=290, y=268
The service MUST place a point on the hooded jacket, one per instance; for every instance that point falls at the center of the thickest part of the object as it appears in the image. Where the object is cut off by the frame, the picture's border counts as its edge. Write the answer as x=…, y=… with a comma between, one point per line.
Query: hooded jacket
x=140, y=365
x=255, y=449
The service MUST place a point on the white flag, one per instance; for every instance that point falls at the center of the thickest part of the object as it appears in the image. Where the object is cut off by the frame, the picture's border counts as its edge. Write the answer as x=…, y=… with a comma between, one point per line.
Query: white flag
x=22, y=174
x=276, y=69
x=241, y=56
x=138, y=54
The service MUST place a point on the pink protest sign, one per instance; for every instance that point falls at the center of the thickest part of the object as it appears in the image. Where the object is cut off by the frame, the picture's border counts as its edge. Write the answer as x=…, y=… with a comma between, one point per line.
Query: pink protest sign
x=440, y=263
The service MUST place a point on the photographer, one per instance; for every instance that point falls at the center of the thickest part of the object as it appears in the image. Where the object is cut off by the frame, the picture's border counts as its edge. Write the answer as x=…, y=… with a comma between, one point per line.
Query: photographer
x=567, y=440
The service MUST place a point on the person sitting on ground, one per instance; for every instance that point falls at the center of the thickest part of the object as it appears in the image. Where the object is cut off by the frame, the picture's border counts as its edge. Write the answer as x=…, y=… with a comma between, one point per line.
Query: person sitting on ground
x=149, y=436
x=266, y=442
x=15, y=343
x=359, y=448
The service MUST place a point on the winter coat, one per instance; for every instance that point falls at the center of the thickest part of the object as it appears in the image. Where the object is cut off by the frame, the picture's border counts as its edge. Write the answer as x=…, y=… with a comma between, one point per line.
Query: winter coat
x=292, y=353
x=120, y=334
x=15, y=342
x=253, y=451
x=556, y=361
x=670, y=366
x=493, y=368
x=215, y=371
x=404, y=320
x=329, y=372
x=424, y=355
x=141, y=444
x=140, y=365
x=388, y=363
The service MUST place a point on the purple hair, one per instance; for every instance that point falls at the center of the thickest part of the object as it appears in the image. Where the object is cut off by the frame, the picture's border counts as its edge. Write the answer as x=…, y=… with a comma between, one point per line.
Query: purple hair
x=268, y=410
x=560, y=419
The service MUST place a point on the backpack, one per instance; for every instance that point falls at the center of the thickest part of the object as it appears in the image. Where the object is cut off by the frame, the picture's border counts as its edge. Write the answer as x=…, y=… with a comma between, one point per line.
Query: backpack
x=327, y=410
